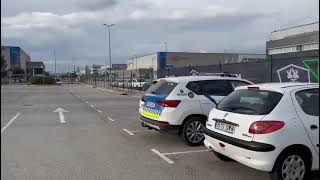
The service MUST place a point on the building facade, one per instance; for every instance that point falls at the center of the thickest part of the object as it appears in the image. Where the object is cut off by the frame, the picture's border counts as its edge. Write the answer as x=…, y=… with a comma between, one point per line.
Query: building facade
x=294, y=53
x=15, y=57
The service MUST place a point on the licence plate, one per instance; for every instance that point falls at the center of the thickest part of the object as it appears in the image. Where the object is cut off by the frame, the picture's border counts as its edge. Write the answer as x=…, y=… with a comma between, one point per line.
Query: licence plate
x=225, y=127
x=151, y=104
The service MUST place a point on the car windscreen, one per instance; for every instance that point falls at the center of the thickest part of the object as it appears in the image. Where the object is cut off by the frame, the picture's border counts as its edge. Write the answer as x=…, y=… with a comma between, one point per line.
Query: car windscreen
x=162, y=87
x=253, y=102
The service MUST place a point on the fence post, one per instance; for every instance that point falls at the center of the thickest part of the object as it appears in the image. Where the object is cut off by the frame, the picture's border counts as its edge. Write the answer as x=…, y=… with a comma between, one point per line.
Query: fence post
x=123, y=81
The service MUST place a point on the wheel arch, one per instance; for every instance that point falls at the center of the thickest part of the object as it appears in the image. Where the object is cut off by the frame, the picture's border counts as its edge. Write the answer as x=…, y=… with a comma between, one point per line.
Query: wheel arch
x=204, y=117
x=296, y=147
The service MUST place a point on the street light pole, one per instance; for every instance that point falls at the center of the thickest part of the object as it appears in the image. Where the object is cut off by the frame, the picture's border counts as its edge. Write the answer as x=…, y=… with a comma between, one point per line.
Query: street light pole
x=55, y=63
x=109, y=26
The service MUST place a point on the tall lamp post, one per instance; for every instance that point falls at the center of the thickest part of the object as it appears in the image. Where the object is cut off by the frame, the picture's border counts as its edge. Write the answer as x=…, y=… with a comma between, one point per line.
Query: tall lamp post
x=109, y=26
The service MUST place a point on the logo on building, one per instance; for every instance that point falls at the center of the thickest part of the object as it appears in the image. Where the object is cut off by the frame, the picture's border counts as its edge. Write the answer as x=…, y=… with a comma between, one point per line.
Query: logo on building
x=293, y=73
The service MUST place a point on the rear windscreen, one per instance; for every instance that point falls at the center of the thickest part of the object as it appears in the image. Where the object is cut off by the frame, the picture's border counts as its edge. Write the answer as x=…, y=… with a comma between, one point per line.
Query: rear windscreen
x=162, y=87
x=246, y=101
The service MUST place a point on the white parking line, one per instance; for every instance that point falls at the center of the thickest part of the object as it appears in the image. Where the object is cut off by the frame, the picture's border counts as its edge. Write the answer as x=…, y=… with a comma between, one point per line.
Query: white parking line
x=87, y=102
x=110, y=119
x=162, y=156
x=99, y=111
x=142, y=131
x=186, y=152
x=7, y=125
x=91, y=105
x=127, y=131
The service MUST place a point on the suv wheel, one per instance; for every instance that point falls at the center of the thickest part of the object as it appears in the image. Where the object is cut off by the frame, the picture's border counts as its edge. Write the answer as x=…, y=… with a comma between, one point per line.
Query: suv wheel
x=291, y=165
x=192, y=131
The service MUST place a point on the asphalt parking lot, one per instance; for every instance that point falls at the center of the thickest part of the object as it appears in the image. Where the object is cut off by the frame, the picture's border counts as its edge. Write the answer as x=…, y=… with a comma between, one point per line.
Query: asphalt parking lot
x=98, y=136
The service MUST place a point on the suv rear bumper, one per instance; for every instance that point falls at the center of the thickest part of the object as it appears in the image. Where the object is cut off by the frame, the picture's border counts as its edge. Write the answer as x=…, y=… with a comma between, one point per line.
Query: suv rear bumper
x=160, y=125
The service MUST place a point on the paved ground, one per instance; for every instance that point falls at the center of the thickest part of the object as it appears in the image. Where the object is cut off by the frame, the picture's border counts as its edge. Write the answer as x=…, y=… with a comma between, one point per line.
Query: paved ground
x=101, y=139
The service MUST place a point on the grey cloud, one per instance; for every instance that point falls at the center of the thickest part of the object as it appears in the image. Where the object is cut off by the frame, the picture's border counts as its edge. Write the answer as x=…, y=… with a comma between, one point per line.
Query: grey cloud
x=95, y=4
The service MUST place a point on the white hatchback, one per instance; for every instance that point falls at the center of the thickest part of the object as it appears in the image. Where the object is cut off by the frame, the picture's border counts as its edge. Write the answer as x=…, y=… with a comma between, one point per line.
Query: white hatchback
x=270, y=127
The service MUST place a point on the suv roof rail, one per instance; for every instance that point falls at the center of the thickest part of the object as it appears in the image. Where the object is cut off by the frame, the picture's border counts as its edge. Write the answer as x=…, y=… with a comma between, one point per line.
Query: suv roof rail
x=223, y=74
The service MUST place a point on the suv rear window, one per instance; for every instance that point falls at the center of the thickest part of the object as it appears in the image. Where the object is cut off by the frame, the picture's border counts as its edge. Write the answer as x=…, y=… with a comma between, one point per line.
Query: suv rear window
x=162, y=87
x=253, y=102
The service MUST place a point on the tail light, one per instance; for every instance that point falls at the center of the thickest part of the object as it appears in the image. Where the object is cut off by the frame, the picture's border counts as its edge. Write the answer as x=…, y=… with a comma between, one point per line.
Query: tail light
x=265, y=127
x=169, y=103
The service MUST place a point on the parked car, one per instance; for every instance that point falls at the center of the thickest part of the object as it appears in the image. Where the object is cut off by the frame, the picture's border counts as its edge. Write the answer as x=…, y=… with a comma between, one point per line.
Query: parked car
x=181, y=104
x=138, y=83
x=270, y=127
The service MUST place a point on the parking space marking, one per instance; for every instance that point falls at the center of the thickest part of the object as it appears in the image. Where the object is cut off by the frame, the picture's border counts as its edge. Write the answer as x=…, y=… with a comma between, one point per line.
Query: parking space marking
x=99, y=111
x=186, y=152
x=87, y=102
x=91, y=105
x=162, y=156
x=110, y=119
x=8, y=124
x=142, y=131
x=127, y=131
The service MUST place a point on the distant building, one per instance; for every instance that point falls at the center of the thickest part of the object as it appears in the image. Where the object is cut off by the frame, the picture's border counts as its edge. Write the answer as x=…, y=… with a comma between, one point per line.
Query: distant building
x=296, y=42
x=95, y=69
x=15, y=57
x=294, y=53
x=119, y=66
x=35, y=68
x=166, y=60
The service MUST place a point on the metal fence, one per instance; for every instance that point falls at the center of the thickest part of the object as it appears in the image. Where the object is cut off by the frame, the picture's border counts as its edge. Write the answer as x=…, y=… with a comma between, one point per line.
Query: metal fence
x=285, y=70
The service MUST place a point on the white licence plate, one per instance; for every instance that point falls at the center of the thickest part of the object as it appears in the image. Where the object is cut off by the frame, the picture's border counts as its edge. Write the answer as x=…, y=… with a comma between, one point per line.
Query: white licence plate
x=151, y=104
x=225, y=127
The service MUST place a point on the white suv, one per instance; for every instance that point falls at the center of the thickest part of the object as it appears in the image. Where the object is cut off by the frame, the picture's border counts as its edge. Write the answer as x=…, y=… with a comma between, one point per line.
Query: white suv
x=270, y=127
x=182, y=104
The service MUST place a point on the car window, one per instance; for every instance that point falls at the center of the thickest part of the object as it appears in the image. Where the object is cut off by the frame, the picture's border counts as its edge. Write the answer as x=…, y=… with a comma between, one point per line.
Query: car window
x=309, y=101
x=162, y=87
x=238, y=83
x=246, y=101
x=210, y=87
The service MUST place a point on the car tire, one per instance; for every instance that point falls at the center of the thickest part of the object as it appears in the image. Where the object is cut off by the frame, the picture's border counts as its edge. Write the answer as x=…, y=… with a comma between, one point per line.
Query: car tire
x=222, y=157
x=291, y=163
x=191, y=133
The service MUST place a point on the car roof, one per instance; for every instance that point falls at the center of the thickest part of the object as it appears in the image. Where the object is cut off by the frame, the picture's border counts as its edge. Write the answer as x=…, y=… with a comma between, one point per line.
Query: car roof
x=200, y=78
x=281, y=87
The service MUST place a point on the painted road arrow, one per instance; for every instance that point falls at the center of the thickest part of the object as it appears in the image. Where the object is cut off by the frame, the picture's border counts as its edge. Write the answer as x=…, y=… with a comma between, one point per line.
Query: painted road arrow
x=61, y=111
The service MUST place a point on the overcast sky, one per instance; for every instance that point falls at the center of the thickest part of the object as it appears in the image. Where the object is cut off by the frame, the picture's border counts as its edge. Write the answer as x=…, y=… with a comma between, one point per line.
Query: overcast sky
x=74, y=27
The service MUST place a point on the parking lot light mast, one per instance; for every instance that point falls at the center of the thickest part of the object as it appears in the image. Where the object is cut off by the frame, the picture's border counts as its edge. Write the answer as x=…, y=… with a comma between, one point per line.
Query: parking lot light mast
x=109, y=26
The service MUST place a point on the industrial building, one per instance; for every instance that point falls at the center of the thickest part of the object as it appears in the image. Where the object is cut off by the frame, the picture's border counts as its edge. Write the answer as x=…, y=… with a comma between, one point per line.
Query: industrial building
x=16, y=58
x=167, y=60
x=295, y=49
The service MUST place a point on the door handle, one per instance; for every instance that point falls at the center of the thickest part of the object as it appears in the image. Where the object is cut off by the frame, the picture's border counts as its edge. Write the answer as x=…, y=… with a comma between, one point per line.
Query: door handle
x=312, y=127
x=205, y=102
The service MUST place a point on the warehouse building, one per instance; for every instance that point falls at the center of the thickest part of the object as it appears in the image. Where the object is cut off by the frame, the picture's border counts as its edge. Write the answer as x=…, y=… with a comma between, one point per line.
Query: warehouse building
x=166, y=60
x=16, y=58
x=295, y=49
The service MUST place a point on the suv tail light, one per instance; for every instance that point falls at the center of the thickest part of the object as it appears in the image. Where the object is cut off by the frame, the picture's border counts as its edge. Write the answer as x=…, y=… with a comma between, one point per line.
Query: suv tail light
x=169, y=103
x=265, y=127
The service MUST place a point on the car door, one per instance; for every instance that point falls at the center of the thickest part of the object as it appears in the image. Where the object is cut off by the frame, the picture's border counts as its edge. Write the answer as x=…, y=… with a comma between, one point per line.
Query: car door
x=306, y=102
x=211, y=92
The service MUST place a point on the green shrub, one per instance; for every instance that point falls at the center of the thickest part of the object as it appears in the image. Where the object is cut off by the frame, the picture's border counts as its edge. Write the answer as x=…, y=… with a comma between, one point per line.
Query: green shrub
x=42, y=80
